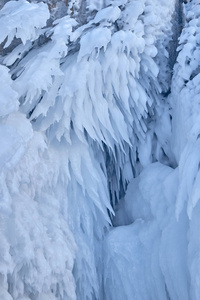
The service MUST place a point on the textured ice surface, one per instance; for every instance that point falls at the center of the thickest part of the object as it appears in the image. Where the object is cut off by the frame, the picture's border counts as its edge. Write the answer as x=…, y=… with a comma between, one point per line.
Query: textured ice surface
x=85, y=124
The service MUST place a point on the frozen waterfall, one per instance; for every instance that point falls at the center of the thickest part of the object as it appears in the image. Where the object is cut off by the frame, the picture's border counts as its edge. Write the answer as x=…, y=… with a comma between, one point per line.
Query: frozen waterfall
x=99, y=156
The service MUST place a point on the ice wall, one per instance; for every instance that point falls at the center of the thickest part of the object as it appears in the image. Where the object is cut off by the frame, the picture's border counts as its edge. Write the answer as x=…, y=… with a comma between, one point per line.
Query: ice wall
x=83, y=112
x=153, y=251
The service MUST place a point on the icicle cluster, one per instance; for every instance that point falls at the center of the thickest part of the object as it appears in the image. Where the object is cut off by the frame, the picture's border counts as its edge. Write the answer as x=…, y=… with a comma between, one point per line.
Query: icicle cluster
x=82, y=113
x=186, y=132
x=156, y=255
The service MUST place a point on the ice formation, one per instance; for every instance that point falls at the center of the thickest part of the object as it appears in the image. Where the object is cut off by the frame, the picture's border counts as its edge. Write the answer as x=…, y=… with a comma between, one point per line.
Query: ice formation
x=99, y=156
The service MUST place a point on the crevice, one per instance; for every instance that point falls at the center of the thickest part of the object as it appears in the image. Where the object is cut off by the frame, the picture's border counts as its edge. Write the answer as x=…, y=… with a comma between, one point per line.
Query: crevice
x=178, y=23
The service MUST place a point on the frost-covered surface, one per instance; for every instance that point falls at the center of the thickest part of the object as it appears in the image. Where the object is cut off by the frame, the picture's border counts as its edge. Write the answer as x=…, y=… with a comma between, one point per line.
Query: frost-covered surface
x=154, y=251
x=185, y=140
x=25, y=20
x=147, y=257
x=83, y=112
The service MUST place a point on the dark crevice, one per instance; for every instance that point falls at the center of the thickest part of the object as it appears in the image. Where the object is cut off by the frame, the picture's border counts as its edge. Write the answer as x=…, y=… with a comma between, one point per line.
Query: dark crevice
x=178, y=23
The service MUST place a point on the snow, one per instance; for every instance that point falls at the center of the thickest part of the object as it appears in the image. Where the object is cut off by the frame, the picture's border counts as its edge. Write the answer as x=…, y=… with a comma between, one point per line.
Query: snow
x=26, y=18
x=9, y=98
x=144, y=256
x=99, y=156
x=108, y=14
x=88, y=43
